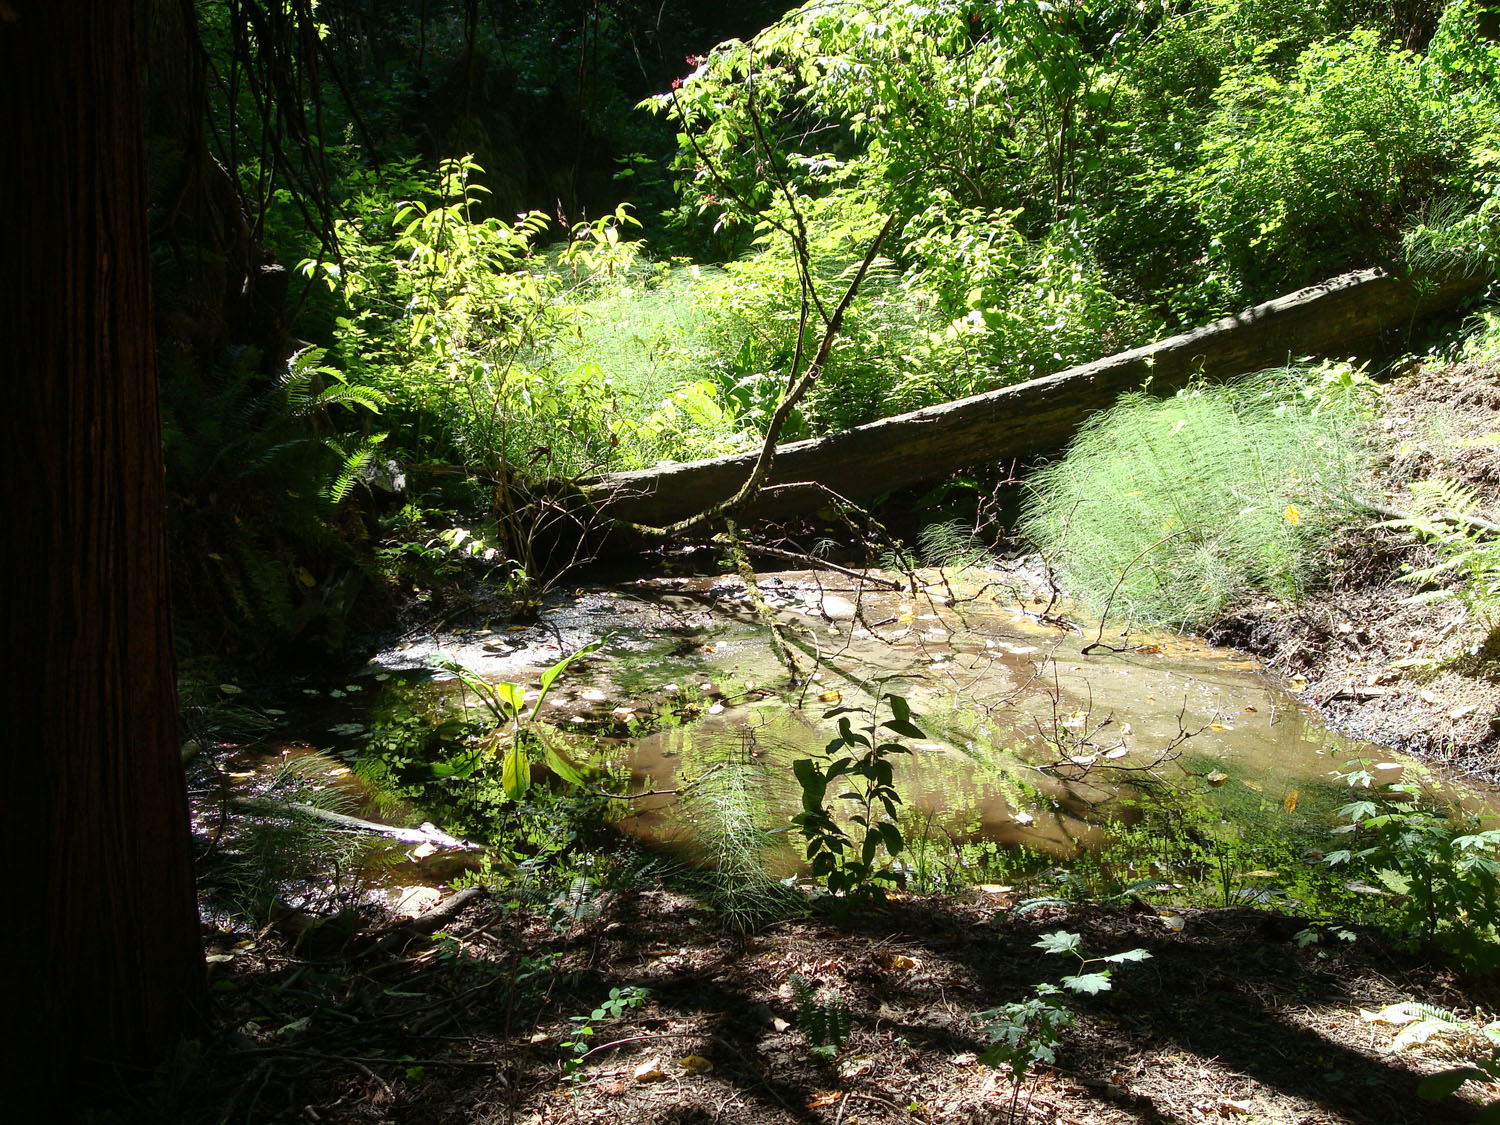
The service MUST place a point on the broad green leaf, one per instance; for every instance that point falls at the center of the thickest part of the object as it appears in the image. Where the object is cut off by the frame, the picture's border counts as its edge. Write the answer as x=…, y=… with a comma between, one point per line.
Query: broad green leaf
x=1059, y=941
x=1447, y=1082
x=515, y=774
x=1128, y=955
x=560, y=765
x=1087, y=984
x=904, y=727
x=511, y=696
x=557, y=669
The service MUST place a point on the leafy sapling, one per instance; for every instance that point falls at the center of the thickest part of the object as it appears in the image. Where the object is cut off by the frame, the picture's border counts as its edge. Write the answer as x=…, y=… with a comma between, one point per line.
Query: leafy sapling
x=1443, y=864
x=1025, y=1033
x=619, y=1002
x=846, y=863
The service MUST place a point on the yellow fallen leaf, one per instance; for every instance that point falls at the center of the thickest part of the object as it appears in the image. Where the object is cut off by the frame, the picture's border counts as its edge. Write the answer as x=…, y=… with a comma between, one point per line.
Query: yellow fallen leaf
x=1290, y=802
x=830, y=697
x=695, y=1064
x=1218, y=726
x=1291, y=515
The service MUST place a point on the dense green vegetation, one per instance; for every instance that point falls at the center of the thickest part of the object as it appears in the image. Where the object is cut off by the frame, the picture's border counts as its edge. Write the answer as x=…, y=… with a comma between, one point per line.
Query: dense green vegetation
x=1056, y=183
x=481, y=252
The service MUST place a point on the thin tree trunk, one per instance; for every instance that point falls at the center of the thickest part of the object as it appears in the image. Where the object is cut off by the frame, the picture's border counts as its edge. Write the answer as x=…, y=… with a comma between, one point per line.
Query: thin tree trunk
x=108, y=970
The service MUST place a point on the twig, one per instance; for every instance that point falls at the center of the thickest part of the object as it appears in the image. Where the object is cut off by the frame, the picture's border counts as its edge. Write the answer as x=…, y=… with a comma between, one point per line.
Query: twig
x=424, y=835
x=814, y=562
x=638, y=1039
x=1098, y=641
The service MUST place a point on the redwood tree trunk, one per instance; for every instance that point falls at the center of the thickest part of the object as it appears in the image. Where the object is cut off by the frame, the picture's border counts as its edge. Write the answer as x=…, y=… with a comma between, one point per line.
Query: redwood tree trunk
x=107, y=972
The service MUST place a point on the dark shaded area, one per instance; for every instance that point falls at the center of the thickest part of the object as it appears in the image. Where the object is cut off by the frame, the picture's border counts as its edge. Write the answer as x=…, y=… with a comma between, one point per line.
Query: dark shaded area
x=1229, y=1009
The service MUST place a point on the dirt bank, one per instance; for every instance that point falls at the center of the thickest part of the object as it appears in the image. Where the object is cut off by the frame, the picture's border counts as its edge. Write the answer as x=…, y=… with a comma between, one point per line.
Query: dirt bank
x=1423, y=676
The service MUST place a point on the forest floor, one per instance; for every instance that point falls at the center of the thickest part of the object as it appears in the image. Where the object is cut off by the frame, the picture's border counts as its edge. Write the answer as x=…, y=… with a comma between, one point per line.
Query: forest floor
x=1240, y=1014
x=1233, y=1018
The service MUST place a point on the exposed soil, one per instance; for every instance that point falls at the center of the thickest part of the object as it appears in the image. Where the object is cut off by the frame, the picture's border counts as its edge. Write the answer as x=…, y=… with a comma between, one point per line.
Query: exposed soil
x=1422, y=677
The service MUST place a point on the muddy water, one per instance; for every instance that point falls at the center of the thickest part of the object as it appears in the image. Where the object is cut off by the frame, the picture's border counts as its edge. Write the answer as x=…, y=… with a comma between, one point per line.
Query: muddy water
x=1028, y=742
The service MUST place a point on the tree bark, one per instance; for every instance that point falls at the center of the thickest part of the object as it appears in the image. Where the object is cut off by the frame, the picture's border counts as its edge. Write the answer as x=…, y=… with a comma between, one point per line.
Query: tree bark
x=107, y=974
x=1036, y=416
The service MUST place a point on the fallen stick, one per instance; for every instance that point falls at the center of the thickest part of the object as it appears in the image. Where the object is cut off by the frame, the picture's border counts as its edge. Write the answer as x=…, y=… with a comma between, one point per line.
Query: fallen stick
x=426, y=834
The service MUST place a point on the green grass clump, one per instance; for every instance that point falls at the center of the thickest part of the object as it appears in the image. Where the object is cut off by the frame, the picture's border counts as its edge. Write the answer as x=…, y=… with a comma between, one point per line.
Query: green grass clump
x=1175, y=511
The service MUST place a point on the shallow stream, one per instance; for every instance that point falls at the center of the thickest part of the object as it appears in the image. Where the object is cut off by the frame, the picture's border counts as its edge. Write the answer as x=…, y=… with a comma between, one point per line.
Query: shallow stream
x=1155, y=763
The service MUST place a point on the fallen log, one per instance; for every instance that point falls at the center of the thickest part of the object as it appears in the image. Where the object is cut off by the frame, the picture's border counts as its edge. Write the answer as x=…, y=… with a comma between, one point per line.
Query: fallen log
x=1037, y=416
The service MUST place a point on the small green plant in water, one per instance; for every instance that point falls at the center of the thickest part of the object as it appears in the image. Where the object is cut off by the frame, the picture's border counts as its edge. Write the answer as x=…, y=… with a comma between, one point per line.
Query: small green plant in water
x=845, y=865
x=506, y=703
x=1025, y=1034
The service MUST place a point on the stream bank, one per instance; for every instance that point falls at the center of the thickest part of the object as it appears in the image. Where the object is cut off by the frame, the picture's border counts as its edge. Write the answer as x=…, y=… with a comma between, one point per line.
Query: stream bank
x=1363, y=650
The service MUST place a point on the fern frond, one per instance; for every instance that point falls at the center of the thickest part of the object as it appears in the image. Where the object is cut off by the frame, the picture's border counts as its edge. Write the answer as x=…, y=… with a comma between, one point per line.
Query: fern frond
x=340, y=486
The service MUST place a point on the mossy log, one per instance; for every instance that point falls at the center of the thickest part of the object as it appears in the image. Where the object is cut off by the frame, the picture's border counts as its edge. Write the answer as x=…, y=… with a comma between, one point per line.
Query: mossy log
x=1038, y=416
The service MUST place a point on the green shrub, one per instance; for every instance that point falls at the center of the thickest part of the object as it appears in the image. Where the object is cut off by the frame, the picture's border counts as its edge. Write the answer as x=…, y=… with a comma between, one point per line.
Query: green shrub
x=1441, y=863
x=1305, y=171
x=1177, y=510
